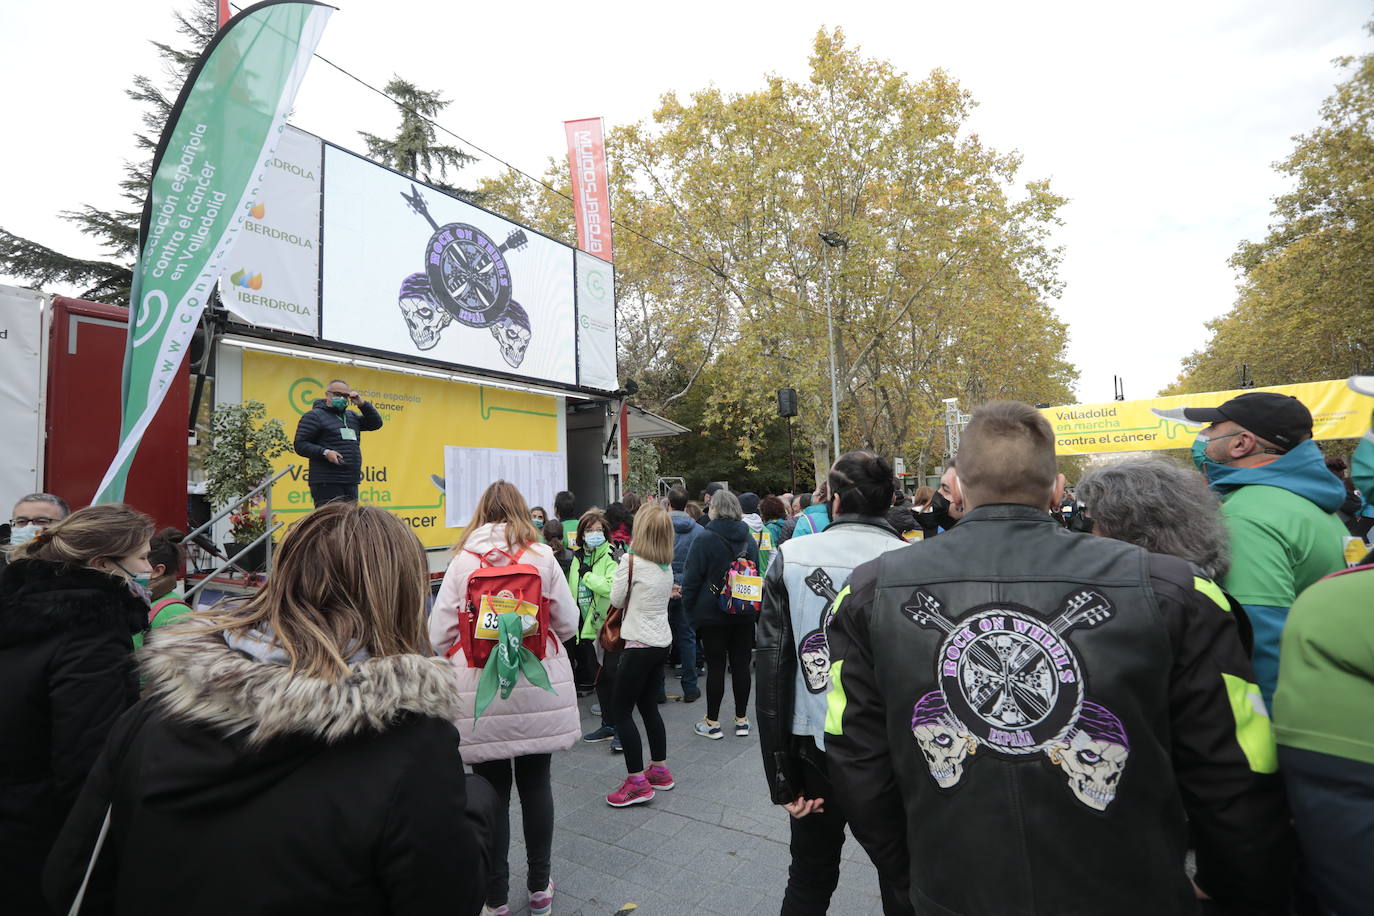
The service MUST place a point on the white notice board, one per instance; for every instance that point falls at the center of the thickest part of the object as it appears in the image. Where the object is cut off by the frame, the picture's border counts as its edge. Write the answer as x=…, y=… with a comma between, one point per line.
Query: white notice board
x=469, y=471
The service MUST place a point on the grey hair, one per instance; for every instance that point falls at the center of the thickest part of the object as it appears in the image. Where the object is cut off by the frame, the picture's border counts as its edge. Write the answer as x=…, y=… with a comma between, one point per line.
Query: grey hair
x=725, y=504
x=1160, y=506
x=57, y=501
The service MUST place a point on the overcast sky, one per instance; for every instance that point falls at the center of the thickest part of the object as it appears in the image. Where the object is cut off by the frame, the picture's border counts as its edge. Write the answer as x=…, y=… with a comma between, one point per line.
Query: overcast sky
x=1160, y=122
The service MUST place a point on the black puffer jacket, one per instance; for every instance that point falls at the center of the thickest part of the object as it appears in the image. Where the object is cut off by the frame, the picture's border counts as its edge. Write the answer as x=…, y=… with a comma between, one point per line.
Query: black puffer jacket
x=235, y=787
x=322, y=429
x=708, y=561
x=65, y=677
x=1029, y=720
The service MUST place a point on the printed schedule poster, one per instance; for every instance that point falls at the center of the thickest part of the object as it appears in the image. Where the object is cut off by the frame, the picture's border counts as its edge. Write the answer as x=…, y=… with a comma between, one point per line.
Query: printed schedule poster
x=469, y=471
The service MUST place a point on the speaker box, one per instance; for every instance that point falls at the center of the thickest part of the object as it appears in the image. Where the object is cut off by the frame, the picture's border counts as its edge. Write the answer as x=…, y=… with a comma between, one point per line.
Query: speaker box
x=787, y=402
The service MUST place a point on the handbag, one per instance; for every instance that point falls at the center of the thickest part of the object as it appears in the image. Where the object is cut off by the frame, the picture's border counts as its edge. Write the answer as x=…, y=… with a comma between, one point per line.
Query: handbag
x=609, y=636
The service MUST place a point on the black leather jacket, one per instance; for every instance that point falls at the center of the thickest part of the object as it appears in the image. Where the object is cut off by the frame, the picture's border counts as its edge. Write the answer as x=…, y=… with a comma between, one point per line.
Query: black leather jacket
x=1030, y=719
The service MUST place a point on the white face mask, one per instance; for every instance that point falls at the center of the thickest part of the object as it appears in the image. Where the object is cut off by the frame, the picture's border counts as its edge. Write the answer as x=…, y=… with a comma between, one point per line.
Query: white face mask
x=23, y=534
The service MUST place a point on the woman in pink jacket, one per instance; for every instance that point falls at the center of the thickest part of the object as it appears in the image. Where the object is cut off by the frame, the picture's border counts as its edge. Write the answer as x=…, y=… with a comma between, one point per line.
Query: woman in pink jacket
x=515, y=735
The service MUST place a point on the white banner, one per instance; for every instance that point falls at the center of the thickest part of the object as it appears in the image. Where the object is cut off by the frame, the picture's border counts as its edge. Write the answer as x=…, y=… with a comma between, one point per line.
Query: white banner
x=596, y=359
x=21, y=380
x=412, y=271
x=273, y=280
x=469, y=471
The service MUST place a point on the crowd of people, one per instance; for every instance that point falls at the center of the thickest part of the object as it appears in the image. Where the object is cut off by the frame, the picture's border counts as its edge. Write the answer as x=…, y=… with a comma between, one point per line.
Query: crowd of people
x=1017, y=698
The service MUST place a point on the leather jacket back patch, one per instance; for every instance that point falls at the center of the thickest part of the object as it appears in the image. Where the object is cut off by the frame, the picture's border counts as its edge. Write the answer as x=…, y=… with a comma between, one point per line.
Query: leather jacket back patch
x=1011, y=684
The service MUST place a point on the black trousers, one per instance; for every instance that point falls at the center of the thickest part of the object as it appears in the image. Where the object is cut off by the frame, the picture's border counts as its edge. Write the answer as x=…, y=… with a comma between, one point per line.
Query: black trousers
x=637, y=681
x=731, y=643
x=533, y=782
x=605, y=686
x=323, y=493
x=1332, y=799
x=817, y=841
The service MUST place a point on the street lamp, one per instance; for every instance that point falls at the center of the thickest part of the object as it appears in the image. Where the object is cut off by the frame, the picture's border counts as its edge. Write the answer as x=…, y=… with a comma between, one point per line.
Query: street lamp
x=832, y=240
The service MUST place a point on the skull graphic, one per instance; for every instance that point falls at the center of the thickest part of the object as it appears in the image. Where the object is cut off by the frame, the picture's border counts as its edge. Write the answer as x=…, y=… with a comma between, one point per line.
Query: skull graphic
x=1093, y=755
x=424, y=317
x=814, y=653
x=944, y=741
x=512, y=333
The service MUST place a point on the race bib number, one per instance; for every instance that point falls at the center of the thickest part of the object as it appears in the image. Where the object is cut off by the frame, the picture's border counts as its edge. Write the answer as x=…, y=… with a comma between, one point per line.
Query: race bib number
x=747, y=588
x=913, y=535
x=765, y=540
x=1355, y=549
x=492, y=608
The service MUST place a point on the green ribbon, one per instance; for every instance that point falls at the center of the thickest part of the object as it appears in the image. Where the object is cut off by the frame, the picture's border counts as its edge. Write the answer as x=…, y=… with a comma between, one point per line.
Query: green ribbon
x=506, y=662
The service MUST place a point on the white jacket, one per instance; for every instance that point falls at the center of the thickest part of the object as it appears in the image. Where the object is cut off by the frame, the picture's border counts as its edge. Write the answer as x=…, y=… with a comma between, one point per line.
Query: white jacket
x=531, y=720
x=646, y=619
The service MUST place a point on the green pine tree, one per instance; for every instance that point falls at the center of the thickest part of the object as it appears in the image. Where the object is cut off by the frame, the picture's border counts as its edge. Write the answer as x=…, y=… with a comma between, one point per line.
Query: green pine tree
x=414, y=150
x=117, y=229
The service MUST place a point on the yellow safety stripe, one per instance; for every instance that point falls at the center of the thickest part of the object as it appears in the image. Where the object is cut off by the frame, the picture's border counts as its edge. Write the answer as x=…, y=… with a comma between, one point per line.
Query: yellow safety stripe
x=835, y=700
x=1213, y=591
x=1254, y=732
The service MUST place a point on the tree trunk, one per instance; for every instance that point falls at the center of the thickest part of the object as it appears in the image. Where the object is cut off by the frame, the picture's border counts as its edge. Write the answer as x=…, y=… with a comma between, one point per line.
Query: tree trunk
x=820, y=458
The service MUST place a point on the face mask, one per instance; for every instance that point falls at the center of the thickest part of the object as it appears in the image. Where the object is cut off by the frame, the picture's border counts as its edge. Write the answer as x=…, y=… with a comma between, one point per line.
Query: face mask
x=338, y=403
x=939, y=504
x=138, y=583
x=594, y=540
x=538, y=522
x=1362, y=466
x=1199, y=450
x=23, y=534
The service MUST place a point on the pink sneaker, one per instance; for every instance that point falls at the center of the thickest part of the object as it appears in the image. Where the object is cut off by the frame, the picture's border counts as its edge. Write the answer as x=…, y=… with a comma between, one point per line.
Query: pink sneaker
x=659, y=777
x=635, y=790
x=541, y=902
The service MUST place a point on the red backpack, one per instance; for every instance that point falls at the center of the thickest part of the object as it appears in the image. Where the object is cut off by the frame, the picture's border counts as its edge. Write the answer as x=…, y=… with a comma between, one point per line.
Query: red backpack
x=494, y=590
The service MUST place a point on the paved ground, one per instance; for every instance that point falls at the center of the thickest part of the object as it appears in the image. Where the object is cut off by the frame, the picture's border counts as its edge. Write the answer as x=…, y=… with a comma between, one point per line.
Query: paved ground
x=714, y=844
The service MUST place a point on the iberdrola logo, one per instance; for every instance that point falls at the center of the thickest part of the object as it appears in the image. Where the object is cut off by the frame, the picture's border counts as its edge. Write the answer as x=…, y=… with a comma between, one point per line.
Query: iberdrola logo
x=241, y=278
x=258, y=211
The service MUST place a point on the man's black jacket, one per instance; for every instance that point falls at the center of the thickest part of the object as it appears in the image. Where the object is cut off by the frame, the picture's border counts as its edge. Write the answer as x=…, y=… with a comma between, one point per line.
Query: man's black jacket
x=1031, y=719
x=322, y=428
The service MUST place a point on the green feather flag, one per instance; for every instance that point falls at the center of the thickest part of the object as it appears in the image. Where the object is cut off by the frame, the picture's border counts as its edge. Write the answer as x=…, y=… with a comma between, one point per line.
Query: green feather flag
x=506, y=662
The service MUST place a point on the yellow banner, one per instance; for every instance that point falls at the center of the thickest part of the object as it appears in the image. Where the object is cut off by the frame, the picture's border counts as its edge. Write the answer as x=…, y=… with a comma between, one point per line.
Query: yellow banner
x=1129, y=426
x=403, y=462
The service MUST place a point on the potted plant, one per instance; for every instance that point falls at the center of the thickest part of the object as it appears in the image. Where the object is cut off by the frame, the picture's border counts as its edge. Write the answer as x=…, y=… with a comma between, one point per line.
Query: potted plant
x=243, y=443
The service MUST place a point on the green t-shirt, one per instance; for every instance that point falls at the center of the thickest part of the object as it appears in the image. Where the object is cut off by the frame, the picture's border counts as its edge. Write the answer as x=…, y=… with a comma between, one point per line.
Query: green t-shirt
x=171, y=608
x=1280, y=544
x=1326, y=673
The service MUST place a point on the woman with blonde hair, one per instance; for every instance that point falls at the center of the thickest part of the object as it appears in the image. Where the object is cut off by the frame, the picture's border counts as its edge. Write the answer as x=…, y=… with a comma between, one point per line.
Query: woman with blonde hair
x=642, y=586
x=303, y=731
x=514, y=737
x=70, y=603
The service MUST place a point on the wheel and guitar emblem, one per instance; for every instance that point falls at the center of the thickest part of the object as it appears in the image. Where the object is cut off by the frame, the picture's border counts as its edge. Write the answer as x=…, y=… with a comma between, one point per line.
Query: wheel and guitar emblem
x=466, y=269
x=1009, y=675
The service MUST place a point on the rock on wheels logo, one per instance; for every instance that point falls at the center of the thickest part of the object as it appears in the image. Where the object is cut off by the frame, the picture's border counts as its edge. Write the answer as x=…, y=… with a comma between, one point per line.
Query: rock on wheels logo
x=466, y=278
x=1011, y=682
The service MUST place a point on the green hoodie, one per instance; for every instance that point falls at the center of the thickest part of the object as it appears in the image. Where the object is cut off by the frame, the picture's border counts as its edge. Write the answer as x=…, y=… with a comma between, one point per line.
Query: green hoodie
x=592, y=591
x=1284, y=536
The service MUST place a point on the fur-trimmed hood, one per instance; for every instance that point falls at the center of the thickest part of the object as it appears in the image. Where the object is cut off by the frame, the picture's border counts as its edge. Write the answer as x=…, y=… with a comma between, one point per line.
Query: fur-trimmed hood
x=39, y=598
x=196, y=678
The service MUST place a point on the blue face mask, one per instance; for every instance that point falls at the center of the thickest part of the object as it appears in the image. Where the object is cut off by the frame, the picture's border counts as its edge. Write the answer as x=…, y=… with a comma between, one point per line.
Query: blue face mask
x=1200, y=459
x=595, y=540
x=538, y=522
x=23, y=534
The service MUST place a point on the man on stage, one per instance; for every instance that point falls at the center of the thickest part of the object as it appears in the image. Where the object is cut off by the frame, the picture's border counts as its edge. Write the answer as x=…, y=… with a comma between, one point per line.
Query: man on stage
x=330, y=436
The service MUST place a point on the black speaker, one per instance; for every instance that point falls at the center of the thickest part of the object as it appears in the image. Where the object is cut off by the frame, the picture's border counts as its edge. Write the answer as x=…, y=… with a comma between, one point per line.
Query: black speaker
x=787, y=402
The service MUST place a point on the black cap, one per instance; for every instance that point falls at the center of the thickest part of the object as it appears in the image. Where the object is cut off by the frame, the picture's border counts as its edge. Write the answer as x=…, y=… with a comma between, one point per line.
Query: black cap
x=712, y=488
x=1278, y=418
x=749, y=503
